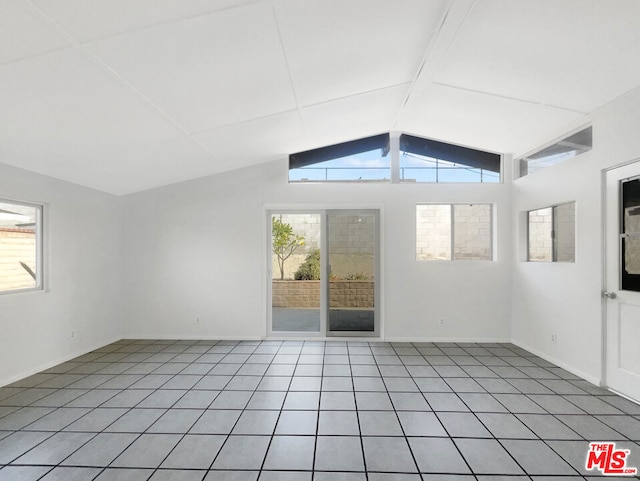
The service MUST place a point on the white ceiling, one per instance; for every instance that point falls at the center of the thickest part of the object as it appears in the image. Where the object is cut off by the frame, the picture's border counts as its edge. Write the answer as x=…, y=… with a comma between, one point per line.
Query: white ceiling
x=127, y=95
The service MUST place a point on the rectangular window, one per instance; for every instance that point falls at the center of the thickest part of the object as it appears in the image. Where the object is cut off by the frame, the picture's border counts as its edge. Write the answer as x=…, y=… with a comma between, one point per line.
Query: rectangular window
x=20, y=246
x=563, y=149
x=415, y=159
x=426, y=160
x=552, y=234
x=362, y=160
x=454, y=232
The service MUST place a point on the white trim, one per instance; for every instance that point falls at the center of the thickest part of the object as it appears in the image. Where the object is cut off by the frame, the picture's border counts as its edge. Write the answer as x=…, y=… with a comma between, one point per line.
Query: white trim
x=604, y=256
x=492, y=224
x=516, y=161
x=603, y=280
x=50, y=364
x=554, y=242
x=637, y=401
x=567, y=367
x=300, y=208
x=479, y=340
x=325, y=339
x=41, y=242
x=191, y=337
x=133, y=337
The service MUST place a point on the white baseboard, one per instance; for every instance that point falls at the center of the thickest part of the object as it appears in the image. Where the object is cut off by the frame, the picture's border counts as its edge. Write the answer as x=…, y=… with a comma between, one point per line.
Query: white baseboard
x=567, y=367
x=43, y=367
x=178, y=337
x=55, y=362
x=448, y=339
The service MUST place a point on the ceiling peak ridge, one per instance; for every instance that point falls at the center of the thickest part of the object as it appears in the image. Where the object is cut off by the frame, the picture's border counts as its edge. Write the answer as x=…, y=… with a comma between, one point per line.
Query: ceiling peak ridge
x=438, y=46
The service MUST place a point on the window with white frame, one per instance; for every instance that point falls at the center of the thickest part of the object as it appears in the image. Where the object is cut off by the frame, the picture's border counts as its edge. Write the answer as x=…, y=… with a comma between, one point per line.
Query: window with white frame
x=552, y=234
x=20, y=246
x=362, y=160
x=566, y=148
x=417, y=159
x=426, y=160
x=454, y=232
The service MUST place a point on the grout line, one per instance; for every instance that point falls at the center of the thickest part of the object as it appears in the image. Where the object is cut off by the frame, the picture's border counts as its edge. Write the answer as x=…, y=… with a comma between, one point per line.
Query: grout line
x=457, y=355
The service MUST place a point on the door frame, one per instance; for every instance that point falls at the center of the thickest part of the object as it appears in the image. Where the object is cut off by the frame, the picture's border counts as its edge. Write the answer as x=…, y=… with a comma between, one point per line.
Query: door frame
x=604, y=378
x=290, y=208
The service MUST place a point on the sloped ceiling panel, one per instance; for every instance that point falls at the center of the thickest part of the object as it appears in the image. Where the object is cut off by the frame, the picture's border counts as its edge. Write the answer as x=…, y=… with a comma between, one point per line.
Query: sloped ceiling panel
x=93, y=19
x=339, y=48
x=255, y=141
x=126, y=95
x=571, y=54
x=209, y=71
x=489, y=122
x=23, y=35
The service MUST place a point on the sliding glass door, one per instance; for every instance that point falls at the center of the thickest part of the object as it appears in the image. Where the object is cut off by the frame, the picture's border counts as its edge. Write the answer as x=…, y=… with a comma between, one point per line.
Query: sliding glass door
x=323, y=271
x=352, y=247
x=296, y=240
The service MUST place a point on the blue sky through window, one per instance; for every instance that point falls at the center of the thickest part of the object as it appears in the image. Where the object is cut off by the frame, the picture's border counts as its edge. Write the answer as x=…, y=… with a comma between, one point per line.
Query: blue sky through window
x=373, y=166
x=366, y=166
x=416, y=168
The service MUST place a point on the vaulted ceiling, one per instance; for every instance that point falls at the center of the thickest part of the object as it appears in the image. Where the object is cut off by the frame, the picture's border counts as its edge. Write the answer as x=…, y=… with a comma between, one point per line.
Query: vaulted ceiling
x=127, y=95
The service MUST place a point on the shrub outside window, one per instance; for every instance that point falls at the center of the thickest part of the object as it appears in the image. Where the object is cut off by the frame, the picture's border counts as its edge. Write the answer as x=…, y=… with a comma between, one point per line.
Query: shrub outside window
x=454, y=232
x=20, y=246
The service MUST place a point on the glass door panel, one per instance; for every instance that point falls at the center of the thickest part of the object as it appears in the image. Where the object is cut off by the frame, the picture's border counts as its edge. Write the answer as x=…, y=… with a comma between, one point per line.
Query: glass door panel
x=295, y=272
x=630, y=235
x=352, y=250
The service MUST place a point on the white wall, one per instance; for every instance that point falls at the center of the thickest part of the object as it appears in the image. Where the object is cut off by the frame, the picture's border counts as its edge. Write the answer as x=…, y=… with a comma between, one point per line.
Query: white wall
x=150, y=264
x=198, y=250
x=83, y=283
x=565, y=298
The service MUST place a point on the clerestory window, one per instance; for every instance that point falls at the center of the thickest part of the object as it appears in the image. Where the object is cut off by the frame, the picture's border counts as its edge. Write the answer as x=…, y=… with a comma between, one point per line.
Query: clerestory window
x=395, y=158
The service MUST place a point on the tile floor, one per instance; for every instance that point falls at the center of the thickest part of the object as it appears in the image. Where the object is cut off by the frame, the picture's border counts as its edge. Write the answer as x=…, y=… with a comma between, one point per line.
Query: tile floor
x=302, y=411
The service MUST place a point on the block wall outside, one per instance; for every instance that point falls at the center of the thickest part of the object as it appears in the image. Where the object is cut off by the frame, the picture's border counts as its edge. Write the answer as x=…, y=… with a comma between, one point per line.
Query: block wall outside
x=540, y=241
x=542, y=223
x=352, y=241
x=433, y=232
x=352, y=245
x=306, y=294
x=565, y=220
x=472, y=232
x=16, y=245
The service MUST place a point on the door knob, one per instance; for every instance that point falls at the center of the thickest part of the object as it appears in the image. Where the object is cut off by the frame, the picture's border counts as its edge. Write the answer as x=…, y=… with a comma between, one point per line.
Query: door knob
x=609, y=295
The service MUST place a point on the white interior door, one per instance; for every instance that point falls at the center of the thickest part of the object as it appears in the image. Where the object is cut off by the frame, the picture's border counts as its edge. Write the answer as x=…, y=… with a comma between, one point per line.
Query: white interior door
x=622, y=282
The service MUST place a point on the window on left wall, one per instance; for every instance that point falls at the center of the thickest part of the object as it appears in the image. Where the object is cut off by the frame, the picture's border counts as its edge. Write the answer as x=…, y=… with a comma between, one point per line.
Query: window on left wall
x=20, y=246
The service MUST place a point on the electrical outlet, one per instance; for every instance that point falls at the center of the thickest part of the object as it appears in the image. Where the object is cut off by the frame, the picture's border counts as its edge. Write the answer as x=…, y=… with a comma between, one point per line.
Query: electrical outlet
x=442, y=321
x=72, y=334
x=197, y=319
x=554, y=337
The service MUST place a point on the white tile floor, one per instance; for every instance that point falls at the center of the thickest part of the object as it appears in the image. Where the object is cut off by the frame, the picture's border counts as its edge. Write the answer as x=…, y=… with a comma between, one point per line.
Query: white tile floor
x=302, y=411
